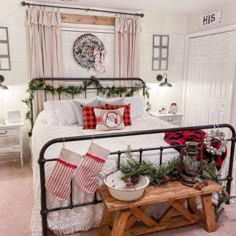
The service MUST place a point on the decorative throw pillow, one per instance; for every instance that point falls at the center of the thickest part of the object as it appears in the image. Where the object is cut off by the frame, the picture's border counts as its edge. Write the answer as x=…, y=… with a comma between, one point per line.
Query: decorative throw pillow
x=78, y=110
x=109, y=119
x=138, y=106
x=126, y=117
x=89, y=116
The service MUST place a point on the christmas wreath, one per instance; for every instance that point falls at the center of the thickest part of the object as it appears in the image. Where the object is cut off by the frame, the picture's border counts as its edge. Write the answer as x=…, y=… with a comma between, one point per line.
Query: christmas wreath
x=89, y=52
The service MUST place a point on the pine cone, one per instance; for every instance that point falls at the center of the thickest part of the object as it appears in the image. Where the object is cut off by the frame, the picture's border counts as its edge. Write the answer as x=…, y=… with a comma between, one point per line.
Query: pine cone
x=135, y=180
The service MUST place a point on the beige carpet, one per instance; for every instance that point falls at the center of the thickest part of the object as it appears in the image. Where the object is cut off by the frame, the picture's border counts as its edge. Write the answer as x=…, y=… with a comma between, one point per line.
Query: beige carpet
x=16, y=200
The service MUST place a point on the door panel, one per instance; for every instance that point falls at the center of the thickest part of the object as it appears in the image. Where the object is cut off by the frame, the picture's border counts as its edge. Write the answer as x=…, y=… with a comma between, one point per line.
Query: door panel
x=211, y=70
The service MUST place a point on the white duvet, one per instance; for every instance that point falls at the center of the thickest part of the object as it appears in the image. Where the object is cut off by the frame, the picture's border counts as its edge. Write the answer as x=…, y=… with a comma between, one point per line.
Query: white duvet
x=84, y=218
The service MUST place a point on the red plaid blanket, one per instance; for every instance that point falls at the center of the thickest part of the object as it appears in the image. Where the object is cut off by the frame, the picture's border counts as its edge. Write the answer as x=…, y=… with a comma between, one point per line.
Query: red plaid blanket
x=181, y=137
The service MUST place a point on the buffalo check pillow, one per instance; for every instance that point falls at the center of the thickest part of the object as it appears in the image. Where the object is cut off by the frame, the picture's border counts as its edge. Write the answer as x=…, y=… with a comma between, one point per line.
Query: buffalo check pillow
x=126, y=116
x=109, y=119
x=89, y=116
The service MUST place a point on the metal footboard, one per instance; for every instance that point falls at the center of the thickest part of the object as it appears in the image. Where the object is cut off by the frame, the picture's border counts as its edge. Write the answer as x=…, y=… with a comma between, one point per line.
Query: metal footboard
x=42, y=161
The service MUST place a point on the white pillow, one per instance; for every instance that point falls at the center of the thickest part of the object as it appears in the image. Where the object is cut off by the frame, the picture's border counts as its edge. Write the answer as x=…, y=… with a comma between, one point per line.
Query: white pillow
x=41, y=118
x=113, y=101
x=60, y=112
x=78, y=109
x=137, y=106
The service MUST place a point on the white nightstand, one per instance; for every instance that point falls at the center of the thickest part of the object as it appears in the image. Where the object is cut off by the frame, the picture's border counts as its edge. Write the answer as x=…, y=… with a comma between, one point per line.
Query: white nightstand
x=175, y=119
x=11, y=139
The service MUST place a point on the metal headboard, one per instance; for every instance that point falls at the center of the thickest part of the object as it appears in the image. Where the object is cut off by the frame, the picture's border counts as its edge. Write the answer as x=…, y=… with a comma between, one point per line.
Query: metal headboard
x=41, y=95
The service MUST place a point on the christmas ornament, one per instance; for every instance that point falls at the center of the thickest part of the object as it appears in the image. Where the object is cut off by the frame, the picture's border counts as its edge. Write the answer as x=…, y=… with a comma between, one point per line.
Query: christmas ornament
x=211, y=140
x=173, y=108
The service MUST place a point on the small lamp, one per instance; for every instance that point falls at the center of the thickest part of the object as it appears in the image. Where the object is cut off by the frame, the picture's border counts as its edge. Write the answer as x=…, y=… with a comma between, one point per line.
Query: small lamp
x=165, y=83
x=1, y=81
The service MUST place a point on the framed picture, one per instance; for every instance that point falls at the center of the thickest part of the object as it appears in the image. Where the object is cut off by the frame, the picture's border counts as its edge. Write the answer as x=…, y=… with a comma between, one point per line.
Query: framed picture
x=13, y=116
x=160, y=52
x=5, y=63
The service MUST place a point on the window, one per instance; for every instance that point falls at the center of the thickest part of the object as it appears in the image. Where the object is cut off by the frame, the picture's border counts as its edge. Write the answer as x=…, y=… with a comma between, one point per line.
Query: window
x=160, y=52
x=4, y=49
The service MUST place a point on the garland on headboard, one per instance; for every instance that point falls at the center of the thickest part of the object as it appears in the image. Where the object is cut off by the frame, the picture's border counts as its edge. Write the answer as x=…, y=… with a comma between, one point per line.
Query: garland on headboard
x=107, y=91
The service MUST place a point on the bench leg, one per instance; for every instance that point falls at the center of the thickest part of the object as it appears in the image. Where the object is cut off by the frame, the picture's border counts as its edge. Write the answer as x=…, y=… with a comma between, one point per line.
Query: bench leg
x=120, y=223
x=192, y=205
x=103, y=229
x=208, y=212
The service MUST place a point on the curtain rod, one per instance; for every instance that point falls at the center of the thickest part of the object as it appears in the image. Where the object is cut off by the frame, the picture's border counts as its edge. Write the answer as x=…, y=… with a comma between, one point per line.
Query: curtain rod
x=85, y=9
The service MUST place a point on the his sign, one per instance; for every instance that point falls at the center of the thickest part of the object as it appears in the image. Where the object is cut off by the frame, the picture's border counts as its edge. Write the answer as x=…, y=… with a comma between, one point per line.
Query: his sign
x=211, y=18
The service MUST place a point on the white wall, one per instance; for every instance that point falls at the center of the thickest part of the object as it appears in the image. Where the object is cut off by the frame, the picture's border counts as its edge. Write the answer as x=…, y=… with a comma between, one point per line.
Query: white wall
x=228, y=18
x=12, y=15
x=175, y=27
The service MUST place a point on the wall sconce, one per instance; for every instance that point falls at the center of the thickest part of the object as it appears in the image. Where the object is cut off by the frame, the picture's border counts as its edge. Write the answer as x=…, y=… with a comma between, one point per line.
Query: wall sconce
x=165, y=83
x=1, y=81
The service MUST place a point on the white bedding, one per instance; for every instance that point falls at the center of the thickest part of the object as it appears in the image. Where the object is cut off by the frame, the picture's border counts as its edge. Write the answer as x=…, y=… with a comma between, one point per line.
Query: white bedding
x=84, y=218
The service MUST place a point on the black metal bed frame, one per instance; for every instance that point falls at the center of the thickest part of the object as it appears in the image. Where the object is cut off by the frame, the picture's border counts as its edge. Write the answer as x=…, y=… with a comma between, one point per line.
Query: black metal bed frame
x=42, y=161
x=137, y=83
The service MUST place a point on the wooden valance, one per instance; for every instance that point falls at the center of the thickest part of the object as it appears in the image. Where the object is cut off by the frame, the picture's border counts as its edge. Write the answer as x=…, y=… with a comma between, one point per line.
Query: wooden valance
x=87, y=19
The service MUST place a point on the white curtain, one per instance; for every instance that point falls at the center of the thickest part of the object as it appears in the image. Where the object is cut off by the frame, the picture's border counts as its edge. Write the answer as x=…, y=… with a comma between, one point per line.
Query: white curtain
x=44, y=42
x=44, y=47
x=127, y=30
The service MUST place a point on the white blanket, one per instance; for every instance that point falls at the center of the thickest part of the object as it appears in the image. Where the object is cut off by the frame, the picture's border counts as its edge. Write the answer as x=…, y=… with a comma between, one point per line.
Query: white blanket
x=84, y=218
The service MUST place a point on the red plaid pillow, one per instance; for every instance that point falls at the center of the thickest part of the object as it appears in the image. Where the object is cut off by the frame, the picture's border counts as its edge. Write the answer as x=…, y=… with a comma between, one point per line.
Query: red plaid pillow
x=89, y=117
x=127, y=119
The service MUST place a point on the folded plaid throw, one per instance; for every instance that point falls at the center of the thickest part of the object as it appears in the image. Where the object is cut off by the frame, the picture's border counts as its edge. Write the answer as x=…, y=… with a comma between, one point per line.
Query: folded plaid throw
x=181, y=137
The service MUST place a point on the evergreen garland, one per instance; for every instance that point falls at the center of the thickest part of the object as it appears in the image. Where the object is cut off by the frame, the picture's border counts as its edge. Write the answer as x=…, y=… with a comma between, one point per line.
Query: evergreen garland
x=93, y=82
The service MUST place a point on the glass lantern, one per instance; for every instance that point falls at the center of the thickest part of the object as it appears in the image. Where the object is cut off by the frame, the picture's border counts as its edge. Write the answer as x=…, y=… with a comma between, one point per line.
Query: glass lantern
x=190, y=163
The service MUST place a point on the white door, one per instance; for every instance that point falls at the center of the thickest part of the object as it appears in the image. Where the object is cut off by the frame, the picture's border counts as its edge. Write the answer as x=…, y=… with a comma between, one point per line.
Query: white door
x=210, y=78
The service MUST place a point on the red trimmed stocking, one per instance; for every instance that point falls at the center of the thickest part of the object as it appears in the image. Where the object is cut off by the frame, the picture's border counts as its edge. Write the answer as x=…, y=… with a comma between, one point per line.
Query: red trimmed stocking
x=59, y=181
x=90, y=167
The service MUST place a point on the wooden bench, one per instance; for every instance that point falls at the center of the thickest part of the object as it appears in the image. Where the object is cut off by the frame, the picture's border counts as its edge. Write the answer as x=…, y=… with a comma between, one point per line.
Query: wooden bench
x=130, y=218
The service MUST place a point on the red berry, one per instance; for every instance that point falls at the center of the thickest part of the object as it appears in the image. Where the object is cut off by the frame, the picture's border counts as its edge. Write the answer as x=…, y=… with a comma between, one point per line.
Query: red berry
x=197, y=186
x=165, y=178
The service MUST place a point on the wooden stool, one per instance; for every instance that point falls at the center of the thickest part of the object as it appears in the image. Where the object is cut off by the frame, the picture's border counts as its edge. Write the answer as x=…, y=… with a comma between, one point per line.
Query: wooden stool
x=130, y=218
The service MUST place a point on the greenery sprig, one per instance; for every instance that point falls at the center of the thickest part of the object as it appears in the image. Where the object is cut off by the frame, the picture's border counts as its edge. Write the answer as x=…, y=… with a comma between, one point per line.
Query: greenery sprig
x=93, y=82
x=158, y=173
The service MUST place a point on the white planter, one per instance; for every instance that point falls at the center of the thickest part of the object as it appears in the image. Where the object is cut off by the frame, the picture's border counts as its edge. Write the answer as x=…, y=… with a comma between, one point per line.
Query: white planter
x=118, y=189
